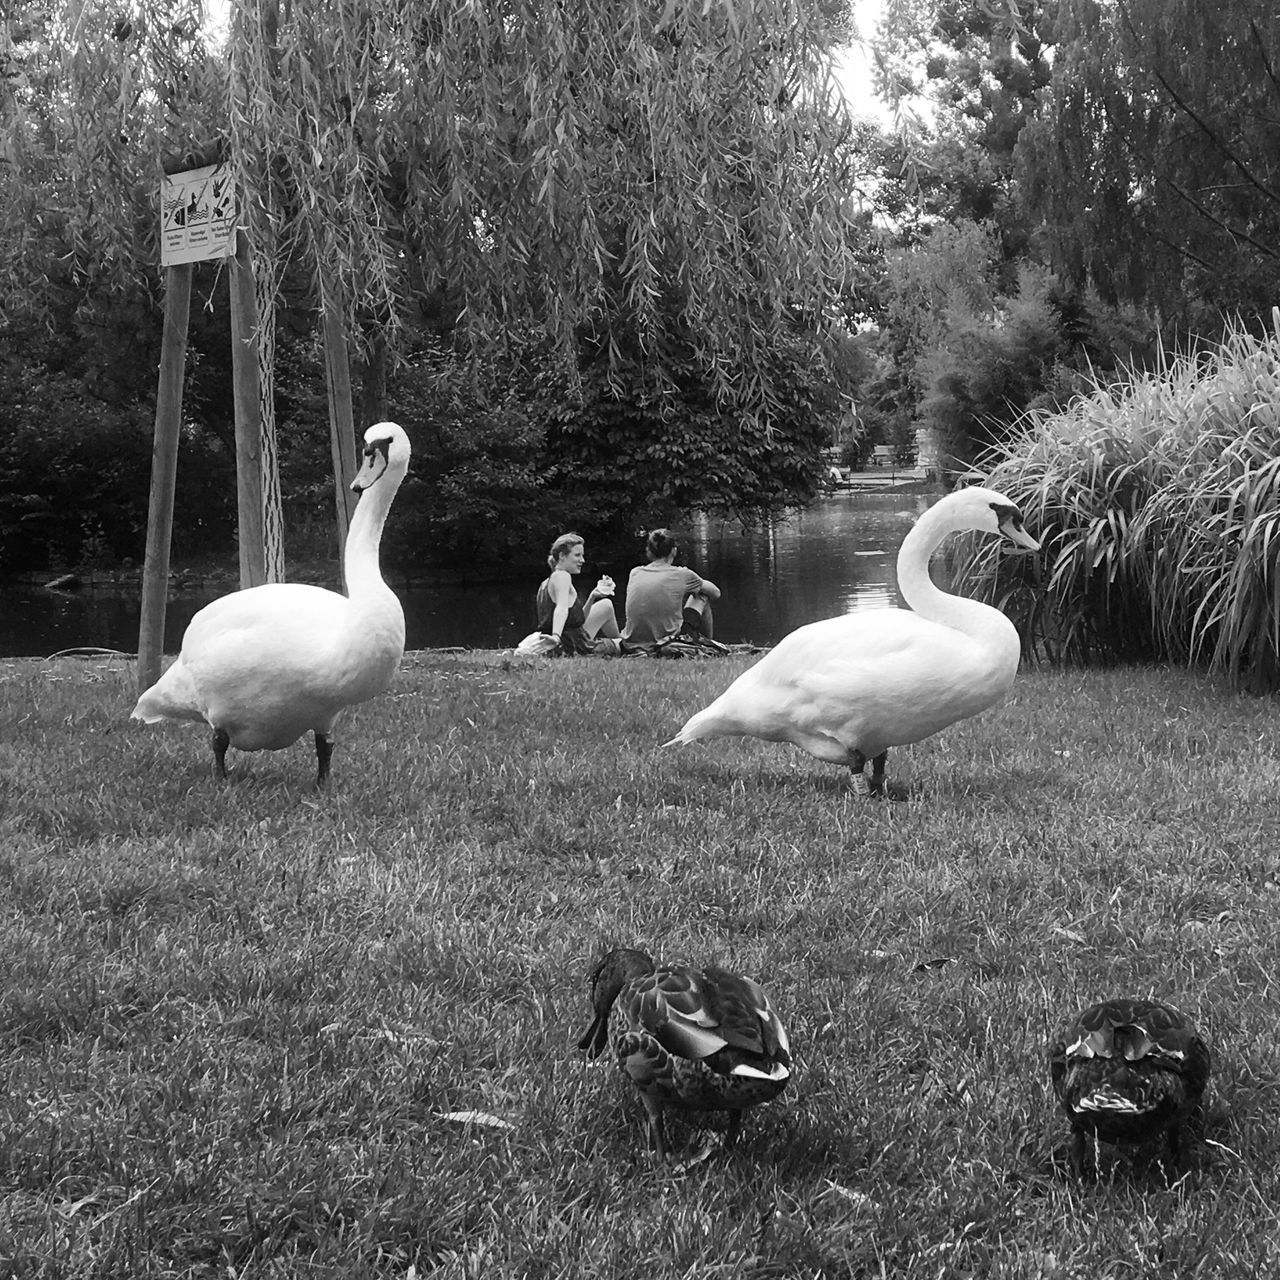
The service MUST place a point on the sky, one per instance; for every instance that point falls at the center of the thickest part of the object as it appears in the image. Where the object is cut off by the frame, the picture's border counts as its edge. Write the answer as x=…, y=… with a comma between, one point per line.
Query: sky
x=853, y=64
x=853, y=72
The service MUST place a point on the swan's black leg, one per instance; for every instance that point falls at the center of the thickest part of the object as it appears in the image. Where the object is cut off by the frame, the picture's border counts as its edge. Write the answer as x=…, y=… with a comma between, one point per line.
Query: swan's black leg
x=877, y=773
x=221, y=741
x=858, y=762
x=324, y=753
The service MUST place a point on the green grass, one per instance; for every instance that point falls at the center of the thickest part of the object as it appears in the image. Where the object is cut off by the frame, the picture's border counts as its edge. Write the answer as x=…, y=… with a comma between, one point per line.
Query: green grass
x=233, y=1018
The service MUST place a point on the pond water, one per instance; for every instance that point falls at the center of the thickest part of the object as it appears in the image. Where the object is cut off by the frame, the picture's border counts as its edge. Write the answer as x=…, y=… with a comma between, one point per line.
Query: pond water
x=834, y=558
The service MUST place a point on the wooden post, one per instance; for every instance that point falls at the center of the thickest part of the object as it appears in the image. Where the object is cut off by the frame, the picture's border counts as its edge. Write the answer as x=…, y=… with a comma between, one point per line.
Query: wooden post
x=246, y=391
x=164, y=472
x=342, y=434
x=373, y=381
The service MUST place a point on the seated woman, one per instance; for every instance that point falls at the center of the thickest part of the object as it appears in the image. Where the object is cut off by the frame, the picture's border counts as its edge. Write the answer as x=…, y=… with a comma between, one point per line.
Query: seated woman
x=579, y=629
x=664, y=598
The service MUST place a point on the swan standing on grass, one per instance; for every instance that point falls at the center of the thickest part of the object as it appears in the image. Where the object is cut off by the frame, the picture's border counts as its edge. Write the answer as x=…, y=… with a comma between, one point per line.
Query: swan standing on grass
x=265, y=665
x=847, y=689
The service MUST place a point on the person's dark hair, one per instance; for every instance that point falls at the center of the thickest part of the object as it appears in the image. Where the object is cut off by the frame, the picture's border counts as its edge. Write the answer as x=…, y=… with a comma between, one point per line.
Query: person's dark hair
x=660, y=543
x=564, y=543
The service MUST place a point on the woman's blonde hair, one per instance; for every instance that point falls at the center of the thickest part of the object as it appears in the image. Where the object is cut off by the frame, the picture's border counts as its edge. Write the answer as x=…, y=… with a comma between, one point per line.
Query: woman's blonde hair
x=564, y=543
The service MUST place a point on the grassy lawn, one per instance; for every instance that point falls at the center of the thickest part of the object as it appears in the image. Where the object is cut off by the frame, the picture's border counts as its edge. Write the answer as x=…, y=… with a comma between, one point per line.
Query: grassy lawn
x=234, y=1020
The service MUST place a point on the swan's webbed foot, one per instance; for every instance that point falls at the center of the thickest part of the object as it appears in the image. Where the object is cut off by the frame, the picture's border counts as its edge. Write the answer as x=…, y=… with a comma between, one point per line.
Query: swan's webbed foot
x=221, y=741
x=324, y=753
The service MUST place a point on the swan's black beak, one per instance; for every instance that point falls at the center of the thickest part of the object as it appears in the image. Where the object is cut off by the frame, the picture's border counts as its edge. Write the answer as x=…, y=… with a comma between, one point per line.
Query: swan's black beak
x=376, y=460
x=1012, y=528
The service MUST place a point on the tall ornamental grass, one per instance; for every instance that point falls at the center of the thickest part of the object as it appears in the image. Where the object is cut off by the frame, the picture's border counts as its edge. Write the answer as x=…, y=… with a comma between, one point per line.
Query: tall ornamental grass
x=1157, y=503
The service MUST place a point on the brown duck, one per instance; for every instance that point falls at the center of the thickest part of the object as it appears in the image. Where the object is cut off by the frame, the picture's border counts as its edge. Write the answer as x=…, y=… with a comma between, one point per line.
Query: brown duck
x=1127, y=1071
x=699, y=1039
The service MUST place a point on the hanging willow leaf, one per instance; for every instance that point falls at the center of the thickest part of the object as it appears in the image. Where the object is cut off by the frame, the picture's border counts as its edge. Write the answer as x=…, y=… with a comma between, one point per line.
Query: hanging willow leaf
x=1158, y=505
x=579, y=166
x=564, y=162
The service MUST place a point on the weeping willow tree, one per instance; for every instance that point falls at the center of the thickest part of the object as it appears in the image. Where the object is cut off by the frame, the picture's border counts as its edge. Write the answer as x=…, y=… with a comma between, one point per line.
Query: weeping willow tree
x=588, y=167
x=95, y=102
x=613, y=170
x=1154, y=165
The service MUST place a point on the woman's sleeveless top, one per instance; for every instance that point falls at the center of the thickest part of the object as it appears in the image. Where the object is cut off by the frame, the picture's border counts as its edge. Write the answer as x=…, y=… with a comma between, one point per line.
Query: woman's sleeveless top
x=573, y=639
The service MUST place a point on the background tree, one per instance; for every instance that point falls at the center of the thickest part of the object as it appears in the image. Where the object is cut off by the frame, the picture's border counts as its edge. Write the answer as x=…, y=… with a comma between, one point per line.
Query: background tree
x=981, y=321
x=637, y=184
x=1154, y=165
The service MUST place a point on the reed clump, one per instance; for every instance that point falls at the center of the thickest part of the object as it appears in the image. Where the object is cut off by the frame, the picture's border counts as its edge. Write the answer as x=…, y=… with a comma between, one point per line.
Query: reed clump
x=1157, y=502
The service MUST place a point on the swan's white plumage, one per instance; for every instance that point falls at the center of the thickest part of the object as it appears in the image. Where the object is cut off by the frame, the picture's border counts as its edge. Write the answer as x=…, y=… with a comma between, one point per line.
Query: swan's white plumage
x=880, y=678
x=270, y=663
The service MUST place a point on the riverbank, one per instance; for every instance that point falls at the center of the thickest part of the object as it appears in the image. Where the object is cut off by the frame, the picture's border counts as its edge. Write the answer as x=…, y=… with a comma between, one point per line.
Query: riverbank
x=835, y=556
x=222, y=573
x=253, y=1026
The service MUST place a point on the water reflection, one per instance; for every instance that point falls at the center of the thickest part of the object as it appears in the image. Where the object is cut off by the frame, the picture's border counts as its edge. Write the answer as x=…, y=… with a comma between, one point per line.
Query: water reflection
x=836, y=557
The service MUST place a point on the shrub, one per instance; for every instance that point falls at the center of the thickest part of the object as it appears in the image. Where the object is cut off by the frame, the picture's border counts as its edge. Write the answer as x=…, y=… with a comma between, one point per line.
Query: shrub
x=1157, y=502
x=509, y=455
x=75, y=476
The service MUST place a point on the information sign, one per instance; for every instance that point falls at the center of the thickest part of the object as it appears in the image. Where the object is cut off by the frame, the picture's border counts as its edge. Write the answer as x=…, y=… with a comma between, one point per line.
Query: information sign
x=197, y=215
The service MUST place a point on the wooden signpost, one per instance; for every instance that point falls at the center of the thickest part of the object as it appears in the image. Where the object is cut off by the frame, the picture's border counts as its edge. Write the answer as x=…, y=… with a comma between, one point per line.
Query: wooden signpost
x=342, y=436
x=198, y=222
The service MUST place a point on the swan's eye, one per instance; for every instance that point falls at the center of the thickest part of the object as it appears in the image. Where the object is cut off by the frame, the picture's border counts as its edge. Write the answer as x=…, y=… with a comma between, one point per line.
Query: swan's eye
x=375, y=447
x=1007, y=515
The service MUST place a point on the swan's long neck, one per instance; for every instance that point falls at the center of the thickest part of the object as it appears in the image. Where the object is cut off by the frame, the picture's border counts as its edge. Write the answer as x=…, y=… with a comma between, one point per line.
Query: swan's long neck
x=360, y=562
x=920, y=591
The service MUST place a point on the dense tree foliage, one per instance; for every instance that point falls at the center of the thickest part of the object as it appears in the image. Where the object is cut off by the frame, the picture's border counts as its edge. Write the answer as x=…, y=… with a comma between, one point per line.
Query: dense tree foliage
x=577, y=166
x=660, y=192
x=1131, y=145
x=981, y=69
x=1154, y=163
x=619, y=255
x=1120, y=153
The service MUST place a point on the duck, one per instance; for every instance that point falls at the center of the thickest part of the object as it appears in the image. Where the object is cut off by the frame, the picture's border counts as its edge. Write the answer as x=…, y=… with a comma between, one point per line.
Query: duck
x=265, y=665
x=847, y=689
x=700, y=1039
x=1128, y=1071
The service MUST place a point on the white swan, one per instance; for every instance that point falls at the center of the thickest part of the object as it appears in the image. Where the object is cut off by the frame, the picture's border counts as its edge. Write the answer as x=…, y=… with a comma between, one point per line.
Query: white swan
x=265, y=665
x=847, y=689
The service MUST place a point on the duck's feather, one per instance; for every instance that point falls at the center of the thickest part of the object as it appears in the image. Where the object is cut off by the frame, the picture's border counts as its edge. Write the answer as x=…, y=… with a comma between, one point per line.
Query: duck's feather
x=1126, y=1069
x=699, y=1014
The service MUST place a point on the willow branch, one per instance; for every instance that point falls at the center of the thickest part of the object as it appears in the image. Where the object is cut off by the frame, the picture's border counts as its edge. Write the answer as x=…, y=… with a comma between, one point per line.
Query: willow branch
x=1215, y=139
x=1267, y=64
x=1235, y=234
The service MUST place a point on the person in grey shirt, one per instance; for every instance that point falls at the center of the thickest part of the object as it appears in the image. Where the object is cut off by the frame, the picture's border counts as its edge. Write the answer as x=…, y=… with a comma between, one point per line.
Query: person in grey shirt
x=664, y=598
